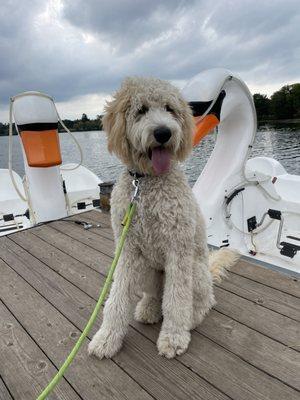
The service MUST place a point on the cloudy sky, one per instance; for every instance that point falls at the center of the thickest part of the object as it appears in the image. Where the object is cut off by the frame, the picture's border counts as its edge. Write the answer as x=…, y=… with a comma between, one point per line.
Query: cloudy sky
x=79, y=50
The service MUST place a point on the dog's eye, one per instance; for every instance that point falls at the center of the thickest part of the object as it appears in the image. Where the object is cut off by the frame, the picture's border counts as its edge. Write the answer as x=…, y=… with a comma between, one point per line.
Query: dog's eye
x=169, y=109
x=143, y=110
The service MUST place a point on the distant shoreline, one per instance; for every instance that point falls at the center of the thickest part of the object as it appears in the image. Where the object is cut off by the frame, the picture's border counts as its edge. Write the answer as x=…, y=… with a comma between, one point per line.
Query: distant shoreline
x=283, y=121
x=260, y=121
x=61, y=130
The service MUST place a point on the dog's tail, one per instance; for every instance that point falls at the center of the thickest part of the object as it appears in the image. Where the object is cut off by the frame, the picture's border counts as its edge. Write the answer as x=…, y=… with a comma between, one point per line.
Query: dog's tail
x=220, y=261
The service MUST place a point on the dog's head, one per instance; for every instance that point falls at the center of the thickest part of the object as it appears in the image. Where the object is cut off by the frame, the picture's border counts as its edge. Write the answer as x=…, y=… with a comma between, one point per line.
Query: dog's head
x=149, y=125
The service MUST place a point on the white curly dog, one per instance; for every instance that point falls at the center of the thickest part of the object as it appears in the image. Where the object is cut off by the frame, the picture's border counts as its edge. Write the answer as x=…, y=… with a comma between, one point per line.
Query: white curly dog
x=165, y=269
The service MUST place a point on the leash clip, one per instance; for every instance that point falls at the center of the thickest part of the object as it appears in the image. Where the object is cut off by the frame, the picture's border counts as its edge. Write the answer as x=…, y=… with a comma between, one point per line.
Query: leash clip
x=134, y=198
x=136, y=185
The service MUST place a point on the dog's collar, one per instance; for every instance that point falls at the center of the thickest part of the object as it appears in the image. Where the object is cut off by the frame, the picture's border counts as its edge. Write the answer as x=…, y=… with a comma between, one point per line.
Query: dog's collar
x=136, y=175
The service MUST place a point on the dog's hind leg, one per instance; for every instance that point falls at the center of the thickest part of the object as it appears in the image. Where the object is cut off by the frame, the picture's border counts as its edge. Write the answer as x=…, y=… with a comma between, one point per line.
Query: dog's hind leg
x=118, y=309
x=148, y=309
x=177, y=303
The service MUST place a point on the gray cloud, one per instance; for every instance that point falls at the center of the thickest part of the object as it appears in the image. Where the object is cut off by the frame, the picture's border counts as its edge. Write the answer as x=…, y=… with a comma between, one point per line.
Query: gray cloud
x=77, y=47
x=126, y=23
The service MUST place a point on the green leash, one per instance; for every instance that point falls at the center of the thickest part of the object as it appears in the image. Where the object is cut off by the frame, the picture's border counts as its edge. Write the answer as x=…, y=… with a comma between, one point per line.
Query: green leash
x=126, y=222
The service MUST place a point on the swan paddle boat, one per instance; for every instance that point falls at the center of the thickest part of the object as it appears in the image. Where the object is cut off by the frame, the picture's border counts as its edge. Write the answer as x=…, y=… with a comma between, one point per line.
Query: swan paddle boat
x=252, y=205
x=49, y=190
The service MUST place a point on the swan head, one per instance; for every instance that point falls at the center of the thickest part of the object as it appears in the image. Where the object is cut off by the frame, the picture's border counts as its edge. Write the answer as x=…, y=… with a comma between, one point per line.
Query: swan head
x=213, y=96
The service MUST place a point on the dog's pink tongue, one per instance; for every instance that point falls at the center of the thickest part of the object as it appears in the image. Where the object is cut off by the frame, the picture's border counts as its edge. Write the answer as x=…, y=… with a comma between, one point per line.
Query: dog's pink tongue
x=161, y=159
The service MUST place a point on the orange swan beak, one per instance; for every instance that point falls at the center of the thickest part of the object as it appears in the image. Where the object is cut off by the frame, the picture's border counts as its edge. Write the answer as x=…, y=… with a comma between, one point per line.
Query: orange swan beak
x=204, y=126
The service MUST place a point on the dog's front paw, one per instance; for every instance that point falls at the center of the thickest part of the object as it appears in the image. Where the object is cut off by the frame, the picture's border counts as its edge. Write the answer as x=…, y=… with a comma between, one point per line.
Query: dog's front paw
x=105, y=343
x=172, y=344
x=148, y=310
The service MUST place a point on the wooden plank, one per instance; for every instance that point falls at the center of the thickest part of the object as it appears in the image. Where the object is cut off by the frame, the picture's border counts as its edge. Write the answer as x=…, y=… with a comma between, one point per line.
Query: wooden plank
x=23, y=366
x=79, y=317
x=77, y=250
x=285, y=283
x=57, y=259
x=96, y=215
x=4, y=393
x=258, y=350
x=232, y=375
x=264, y=384
x=225, y=370
x=251, y=314
x=103, y=245
x=100, y=216
x=165, y=379
x=268, y=297
x=56, y=335
x=104, y=230
x=60, y=291
x=25, y=263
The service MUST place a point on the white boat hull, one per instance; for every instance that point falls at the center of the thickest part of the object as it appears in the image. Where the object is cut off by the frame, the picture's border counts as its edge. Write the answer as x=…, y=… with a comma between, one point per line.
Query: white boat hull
x=228, y=225
x=46, y=196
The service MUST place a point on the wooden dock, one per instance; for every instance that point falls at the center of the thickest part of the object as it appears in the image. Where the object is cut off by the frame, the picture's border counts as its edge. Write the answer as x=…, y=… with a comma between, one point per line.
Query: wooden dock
x=50, y=277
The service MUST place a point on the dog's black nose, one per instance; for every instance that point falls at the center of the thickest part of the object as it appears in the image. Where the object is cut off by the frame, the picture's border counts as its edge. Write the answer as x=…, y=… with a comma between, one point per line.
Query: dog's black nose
x=162, y=134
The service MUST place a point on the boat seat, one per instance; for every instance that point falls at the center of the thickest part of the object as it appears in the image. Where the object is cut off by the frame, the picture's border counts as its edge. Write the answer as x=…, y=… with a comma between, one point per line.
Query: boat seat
x=284, y=185
x=260, y=168
x=288, y=187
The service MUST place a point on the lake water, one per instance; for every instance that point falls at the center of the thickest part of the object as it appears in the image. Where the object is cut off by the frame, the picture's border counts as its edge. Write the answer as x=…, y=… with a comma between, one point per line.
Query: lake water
x=281, y=142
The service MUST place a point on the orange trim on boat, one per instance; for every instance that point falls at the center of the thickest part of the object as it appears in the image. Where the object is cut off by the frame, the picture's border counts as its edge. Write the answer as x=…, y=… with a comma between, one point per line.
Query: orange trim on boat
x=42, y=148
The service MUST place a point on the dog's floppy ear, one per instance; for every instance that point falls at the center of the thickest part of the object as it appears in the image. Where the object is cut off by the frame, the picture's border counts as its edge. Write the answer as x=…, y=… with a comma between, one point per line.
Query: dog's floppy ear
x=114, y=124
x=188, y=127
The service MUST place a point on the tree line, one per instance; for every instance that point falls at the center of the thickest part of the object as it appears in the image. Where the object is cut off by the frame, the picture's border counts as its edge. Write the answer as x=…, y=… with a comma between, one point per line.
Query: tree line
x=283, y=104
x=83, y=124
